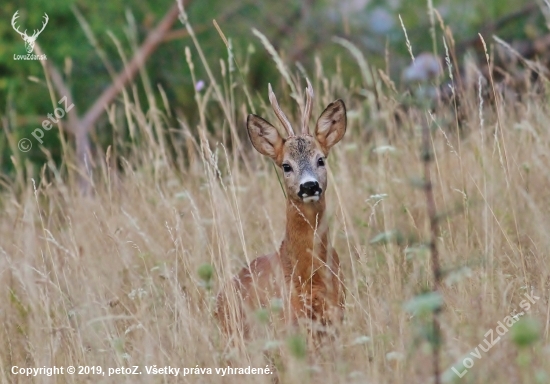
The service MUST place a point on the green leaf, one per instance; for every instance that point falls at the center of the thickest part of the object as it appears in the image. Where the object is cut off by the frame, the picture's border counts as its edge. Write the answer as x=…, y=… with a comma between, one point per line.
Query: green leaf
x=424, y=303
x=205, y=272
x=297, y=346
x=525, y=332
x=262, y=314
x=387, y=237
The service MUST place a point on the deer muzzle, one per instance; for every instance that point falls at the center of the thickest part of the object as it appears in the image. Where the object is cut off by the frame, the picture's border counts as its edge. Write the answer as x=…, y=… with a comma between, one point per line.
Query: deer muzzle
x=310, y=191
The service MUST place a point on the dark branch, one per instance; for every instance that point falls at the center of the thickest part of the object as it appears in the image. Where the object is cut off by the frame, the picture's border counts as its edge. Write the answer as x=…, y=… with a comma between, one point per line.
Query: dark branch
x=155, y=37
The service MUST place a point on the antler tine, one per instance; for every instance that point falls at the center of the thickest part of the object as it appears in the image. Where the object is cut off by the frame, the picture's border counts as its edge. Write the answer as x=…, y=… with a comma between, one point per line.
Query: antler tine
x=280, y=115
x=13, y=20
x=308, y=108
x=44, y=23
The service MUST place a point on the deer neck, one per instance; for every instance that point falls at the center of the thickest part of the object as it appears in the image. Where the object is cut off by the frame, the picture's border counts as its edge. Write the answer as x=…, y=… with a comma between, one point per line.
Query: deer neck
x=304, y=248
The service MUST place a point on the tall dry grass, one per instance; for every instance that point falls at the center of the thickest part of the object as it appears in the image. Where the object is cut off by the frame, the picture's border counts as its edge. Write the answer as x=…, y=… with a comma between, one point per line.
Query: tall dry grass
x=120, y=277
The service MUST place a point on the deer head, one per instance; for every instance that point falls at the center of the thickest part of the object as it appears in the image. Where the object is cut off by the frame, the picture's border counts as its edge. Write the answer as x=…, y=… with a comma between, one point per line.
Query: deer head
x=29, y=40
x=302, y=157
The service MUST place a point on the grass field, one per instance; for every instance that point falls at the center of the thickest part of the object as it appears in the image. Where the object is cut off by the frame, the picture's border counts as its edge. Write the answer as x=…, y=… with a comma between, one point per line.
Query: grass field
x=120, y=277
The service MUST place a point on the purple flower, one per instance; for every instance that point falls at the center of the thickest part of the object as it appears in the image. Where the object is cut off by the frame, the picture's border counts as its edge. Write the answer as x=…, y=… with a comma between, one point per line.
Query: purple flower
x=199, y=86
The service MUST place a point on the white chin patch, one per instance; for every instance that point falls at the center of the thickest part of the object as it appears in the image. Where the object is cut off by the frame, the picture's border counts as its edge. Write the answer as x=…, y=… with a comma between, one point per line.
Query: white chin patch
x=310, y=199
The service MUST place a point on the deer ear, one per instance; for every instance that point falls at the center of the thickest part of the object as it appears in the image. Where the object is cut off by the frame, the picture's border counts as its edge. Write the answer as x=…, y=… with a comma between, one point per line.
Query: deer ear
x=331, y=125
x=265, y=138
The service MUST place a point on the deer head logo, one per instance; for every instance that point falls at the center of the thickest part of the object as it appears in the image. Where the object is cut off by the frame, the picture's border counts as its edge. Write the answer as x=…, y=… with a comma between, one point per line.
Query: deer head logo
x=29, y=40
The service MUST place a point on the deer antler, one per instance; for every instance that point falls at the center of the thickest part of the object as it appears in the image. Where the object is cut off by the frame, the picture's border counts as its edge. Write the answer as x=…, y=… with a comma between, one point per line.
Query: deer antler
x=282, y=117
x=308, y=108
x=13, y=19
x=44, y=23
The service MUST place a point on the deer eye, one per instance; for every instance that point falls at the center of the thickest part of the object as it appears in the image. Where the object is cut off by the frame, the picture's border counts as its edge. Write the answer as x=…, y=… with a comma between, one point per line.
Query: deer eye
x=321, y=162
x=287, y=168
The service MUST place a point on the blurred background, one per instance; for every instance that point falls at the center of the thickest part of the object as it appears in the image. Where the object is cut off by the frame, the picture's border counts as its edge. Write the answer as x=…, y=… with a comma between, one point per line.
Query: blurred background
x=89, y=42
x=128, y=273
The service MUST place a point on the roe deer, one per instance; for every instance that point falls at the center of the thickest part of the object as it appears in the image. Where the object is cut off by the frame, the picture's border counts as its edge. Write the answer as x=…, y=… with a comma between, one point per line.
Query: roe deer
x=305, y=272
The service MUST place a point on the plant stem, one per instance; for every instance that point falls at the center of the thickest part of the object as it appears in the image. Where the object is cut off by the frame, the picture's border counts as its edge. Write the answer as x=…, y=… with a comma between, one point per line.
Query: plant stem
x=434, y=234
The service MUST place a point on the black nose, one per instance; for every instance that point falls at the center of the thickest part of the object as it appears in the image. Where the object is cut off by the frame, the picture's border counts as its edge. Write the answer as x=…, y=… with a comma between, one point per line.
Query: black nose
x=310, y=188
